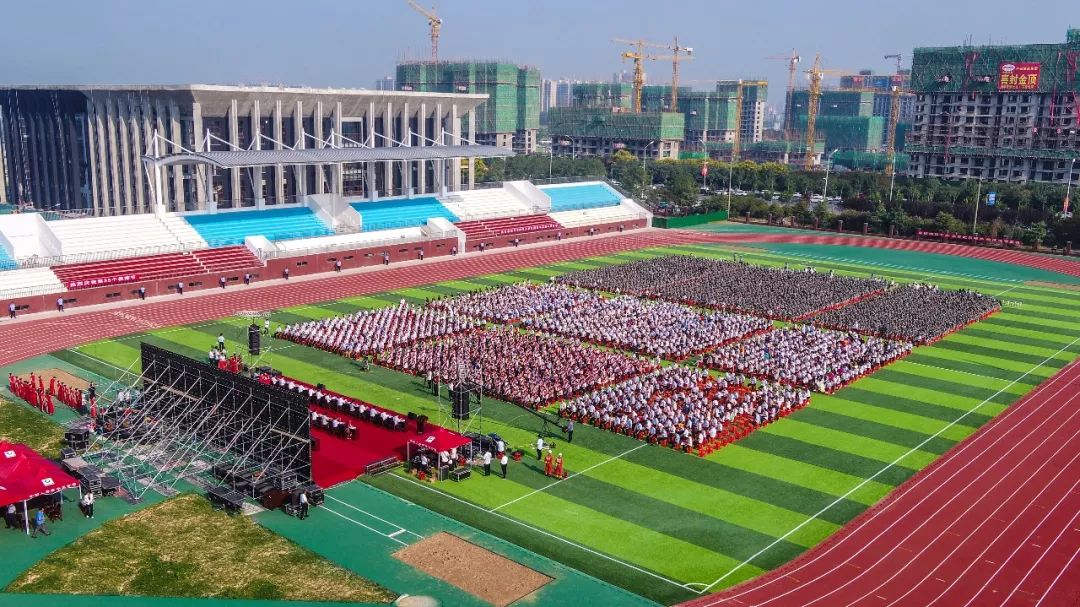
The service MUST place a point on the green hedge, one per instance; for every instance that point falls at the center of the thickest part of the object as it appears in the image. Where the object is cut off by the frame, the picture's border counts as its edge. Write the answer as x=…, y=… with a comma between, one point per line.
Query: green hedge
x=688, y=220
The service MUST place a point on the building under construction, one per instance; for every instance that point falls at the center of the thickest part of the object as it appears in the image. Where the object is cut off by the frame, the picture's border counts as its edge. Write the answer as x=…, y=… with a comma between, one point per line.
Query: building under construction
x=1006, y=113
x=845, y=119
x=881, y=85
x=509, y=118
x=586, y=131
x=752, y=104
x=783, y=152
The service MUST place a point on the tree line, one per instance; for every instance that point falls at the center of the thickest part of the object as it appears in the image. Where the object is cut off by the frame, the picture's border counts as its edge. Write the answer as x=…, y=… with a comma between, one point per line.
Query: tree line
x=1028, y=212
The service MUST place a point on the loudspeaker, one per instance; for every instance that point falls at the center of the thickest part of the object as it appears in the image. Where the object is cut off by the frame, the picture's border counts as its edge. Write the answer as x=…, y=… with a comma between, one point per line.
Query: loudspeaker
x=459, y=398
x=254, y=339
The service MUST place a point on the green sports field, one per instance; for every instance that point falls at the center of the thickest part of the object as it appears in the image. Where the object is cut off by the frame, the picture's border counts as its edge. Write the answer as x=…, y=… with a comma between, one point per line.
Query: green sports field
x=669, y=526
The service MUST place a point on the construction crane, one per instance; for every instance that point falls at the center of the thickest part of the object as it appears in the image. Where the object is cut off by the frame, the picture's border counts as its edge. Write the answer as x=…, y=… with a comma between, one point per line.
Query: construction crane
x=890, y=134
x=793, y=61
x=740, y=95
x=816, y=74
x=898, y=58
x=678, y=54
x=435, y=23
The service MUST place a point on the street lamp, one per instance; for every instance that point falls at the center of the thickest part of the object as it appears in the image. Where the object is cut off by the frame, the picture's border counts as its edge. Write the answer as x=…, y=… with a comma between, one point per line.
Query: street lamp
x=644, y=171
x=730, y=167
x=1068, y=188
x=828, y=165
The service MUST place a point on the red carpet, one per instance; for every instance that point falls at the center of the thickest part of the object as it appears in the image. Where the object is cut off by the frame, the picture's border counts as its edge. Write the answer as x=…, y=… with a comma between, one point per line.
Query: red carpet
x=338, y=459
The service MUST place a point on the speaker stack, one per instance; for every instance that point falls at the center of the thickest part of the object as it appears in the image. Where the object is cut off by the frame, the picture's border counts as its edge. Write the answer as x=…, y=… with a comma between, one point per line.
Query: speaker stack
x=254, y=340
x=459, y=399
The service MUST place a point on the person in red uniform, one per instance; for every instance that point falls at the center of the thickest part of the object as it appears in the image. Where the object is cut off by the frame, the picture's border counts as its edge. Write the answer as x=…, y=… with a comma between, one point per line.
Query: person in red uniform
x=559, y=472
x=548, y=464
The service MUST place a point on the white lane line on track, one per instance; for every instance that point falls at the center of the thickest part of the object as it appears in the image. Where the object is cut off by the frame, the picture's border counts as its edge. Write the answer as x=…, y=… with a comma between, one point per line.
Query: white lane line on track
x=358, y=523
x=399, y=528
x=883, y=469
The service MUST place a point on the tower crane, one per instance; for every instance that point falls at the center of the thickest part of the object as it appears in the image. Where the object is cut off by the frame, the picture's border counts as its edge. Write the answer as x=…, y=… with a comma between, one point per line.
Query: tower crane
x=793, y=61
x=435, y=23
x=894, y=120
x=816, y=74
x=678, y=54
x=898, y=58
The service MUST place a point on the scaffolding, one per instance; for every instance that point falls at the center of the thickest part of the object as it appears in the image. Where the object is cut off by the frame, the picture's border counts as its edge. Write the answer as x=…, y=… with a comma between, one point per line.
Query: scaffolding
x=601, y=95
x=588, y=123
x=513, y=91
x=188, y=421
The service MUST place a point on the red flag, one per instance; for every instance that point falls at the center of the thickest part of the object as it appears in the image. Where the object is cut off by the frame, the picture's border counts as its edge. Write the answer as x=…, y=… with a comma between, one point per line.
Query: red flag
x=1065, y=206
x=704, y=169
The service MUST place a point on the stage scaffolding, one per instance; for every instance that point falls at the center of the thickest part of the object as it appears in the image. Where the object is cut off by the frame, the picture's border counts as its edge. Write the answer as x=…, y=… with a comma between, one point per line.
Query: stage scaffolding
x=187, y=421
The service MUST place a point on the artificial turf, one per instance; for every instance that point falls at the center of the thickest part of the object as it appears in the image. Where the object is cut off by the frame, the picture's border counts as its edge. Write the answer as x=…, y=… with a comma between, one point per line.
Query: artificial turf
x=664, y=524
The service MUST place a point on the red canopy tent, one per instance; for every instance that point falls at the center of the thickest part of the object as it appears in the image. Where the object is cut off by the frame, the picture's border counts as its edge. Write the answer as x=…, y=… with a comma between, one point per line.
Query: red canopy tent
x=26, y=474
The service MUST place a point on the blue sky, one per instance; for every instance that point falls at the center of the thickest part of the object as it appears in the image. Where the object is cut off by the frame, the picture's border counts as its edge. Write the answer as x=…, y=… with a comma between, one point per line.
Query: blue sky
x=350, y=43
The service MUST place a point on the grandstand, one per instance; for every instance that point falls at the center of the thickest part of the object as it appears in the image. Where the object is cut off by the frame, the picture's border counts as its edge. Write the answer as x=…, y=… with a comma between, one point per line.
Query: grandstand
x=400, y=213
x=231, y=228
x=124, y=235
x=486, y=204
x=6, y=262
x=570, y=197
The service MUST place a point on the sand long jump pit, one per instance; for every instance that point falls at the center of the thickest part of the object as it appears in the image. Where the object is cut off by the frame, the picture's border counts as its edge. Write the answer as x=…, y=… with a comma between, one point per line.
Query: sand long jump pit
x=478, y=571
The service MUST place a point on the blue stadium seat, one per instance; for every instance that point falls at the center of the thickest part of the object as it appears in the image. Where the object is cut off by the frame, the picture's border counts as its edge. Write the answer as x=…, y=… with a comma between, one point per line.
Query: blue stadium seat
x=587, y=196
x=231, y=228
x=6, y=262
x=397, y=213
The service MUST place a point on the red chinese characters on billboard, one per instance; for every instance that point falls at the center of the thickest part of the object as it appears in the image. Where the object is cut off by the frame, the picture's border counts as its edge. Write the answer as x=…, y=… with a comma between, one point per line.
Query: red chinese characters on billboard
x=1018, y=76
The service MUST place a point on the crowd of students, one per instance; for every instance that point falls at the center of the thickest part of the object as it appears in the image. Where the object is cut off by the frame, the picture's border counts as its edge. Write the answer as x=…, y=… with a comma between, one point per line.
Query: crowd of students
x=656, y=328
x=778, y=293
x=34, y=392
x=372, y=331
x=685, y=408
x=516, y=302
x=807, y=356
x=919, y=313
x=524, y=368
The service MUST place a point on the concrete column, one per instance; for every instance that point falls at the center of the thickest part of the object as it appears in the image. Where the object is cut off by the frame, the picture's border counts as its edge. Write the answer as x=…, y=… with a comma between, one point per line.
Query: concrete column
x=299, y=171
x=369, y=168
x=177, y=135
x=57, y=165
x=201, y=176
x=455, y=164
x=122, y=118
x=5, y=156
x=421, y=165
x=135, y=132
x=256, y=144
x=34, y=148
x=338, y=185
x=234, y=139
x=472, y=137
x=104, y=201
x=387, y=141
x=406, y=138
x=162, y=179
x=439, y=178
x=320, y=176
x=117, y=198
x=279, y=176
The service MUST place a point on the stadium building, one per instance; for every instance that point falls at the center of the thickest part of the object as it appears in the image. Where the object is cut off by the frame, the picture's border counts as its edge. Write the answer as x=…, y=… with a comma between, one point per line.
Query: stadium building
x=80, y=147
x=1005, y=113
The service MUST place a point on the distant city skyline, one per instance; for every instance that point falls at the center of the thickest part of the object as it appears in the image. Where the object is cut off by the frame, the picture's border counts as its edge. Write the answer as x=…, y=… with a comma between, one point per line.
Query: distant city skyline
x=354, y=44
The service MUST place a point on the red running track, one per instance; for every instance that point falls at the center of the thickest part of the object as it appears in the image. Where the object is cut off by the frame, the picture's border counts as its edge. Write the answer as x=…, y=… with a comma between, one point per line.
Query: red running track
x=1035, y=260
x=29, y=338
x=995, y=521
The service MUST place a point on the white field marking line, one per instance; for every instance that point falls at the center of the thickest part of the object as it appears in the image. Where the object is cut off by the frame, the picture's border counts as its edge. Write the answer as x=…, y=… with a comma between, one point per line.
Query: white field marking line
x=1056, y=578
x=911, y=362
x=971, y=461
x=399, y=527
x=929, y=519
x=1069, y=527
x=548, y=534
x=1020, y=545
x=356, y=522
x=974, y=501
x=886, y=467
x=1007, y=290
x=580, y=472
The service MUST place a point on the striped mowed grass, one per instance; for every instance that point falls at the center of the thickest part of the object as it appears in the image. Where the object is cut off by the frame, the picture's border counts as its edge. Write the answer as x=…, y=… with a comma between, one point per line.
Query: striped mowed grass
x=669, y=525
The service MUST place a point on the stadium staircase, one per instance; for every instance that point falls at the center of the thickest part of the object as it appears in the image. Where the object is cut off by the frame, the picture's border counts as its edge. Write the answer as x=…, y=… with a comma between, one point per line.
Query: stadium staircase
x=6, y=262
x=232, y=227
x=507, y=226
x=400, y=213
